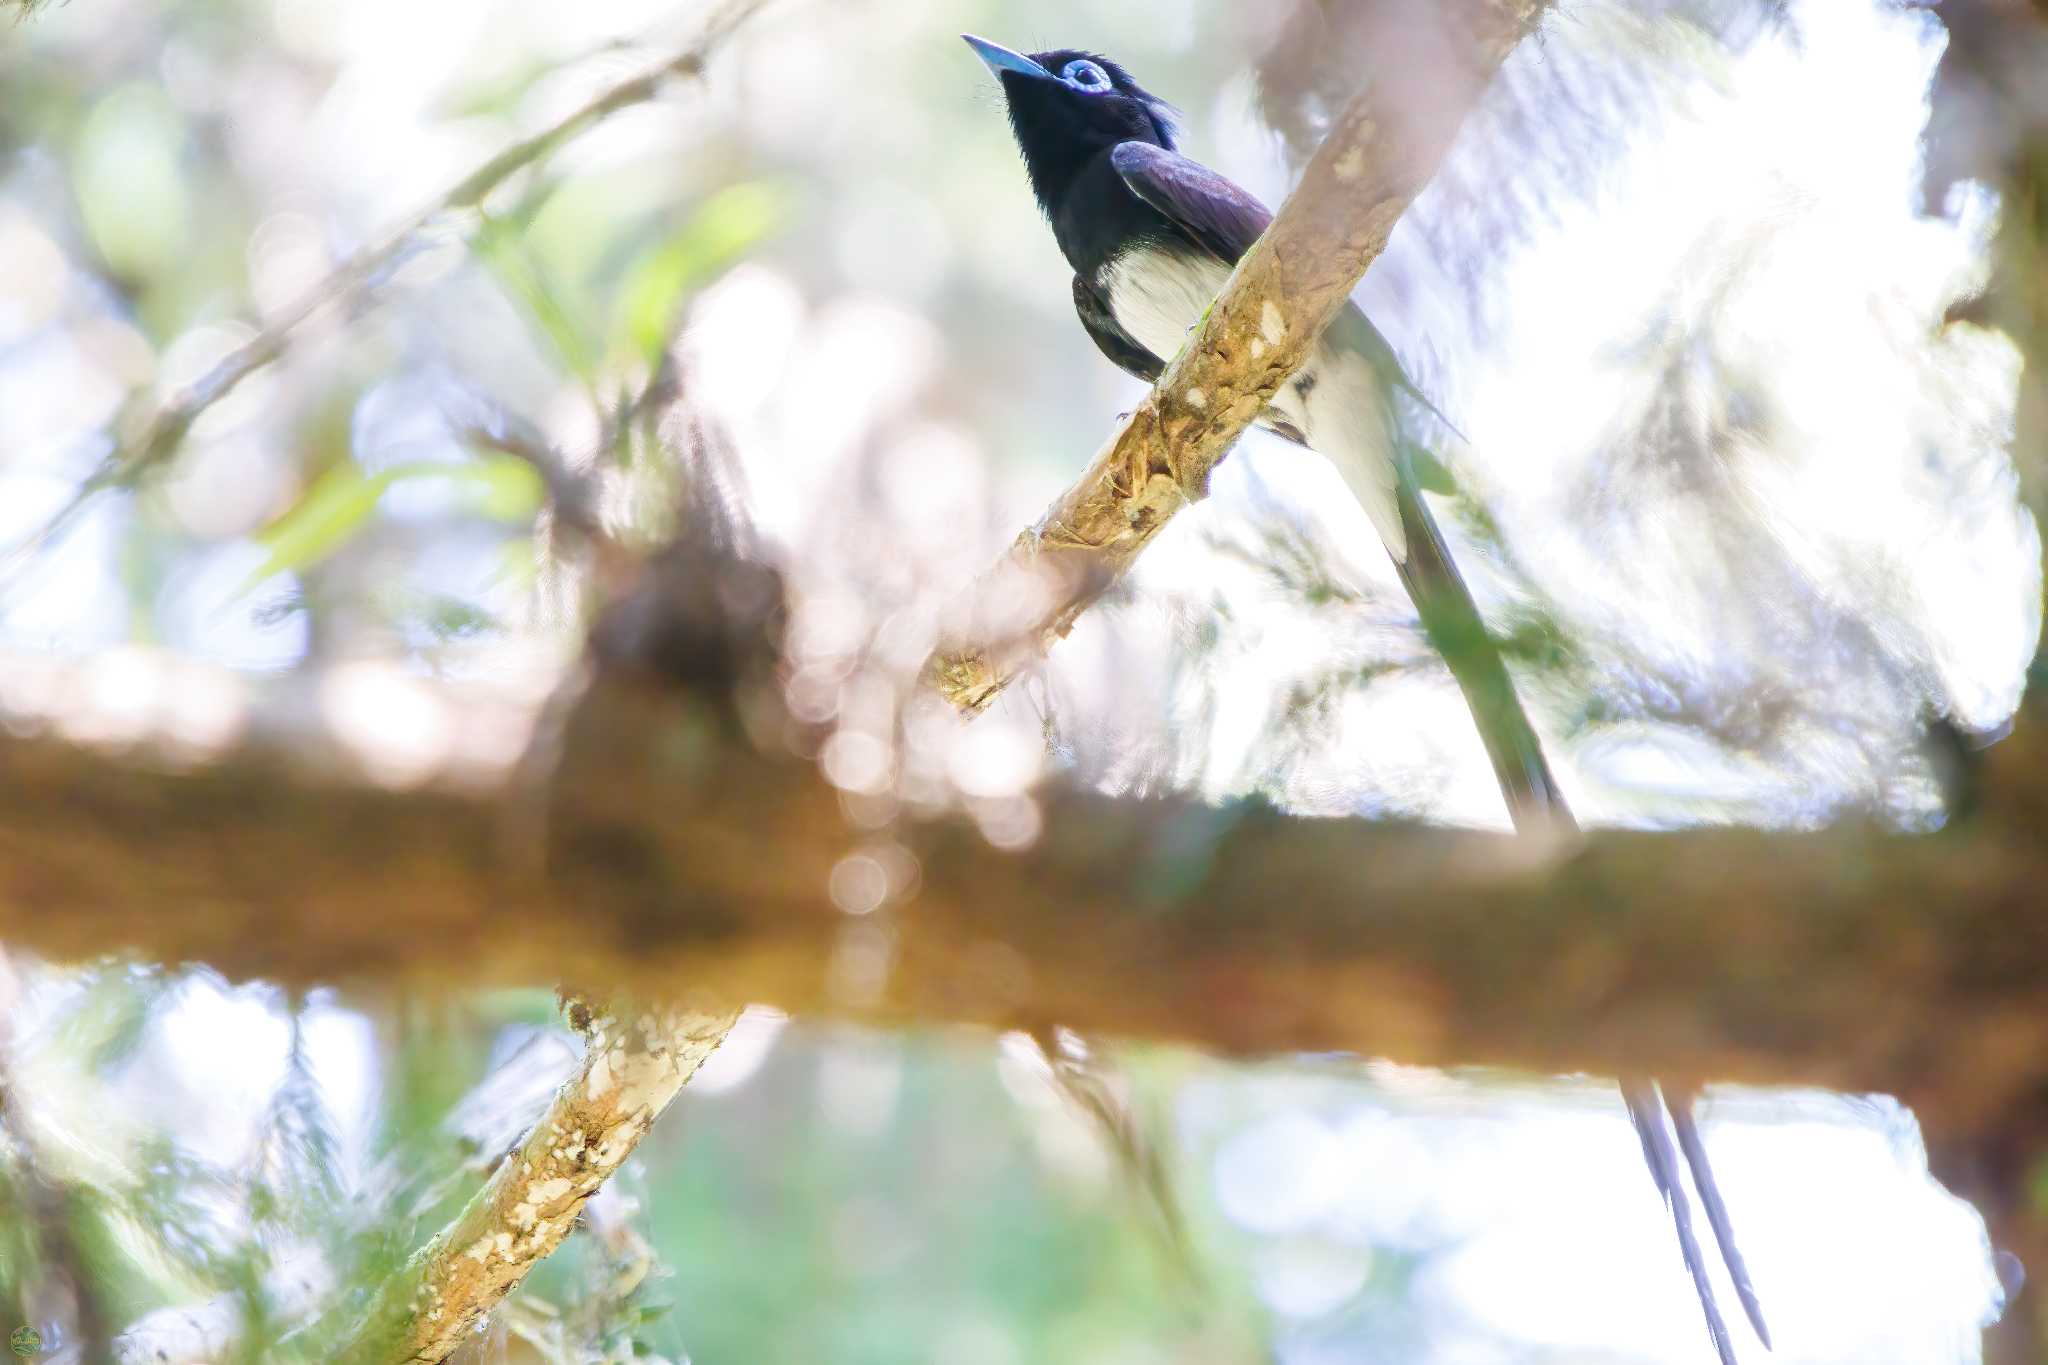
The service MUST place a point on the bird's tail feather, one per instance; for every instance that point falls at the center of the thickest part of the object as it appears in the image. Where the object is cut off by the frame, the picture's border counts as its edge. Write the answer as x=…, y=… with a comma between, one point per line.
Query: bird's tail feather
x=1646, y=1111
x=1455, y=627
x=1680, y=1102
x=1452, y=621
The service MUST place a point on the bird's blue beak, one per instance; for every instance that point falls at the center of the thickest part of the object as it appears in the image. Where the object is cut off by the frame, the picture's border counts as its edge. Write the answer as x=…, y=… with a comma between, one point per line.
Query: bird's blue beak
x=1001, y=59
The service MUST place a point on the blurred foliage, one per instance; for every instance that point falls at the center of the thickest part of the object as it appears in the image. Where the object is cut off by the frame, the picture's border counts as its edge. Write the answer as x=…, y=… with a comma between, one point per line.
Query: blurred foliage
x=825, y=261
x=659, y=280
x=337, y=505
x=881, y=1206
x=833, y=1193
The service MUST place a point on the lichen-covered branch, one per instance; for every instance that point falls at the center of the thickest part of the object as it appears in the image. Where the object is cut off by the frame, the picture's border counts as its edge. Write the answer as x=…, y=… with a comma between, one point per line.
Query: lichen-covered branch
x=632, y=1068
x=1380, y=152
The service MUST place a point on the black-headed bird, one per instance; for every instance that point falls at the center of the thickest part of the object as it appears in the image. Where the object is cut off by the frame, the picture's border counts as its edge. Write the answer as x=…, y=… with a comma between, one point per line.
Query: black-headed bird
x=1152, y=237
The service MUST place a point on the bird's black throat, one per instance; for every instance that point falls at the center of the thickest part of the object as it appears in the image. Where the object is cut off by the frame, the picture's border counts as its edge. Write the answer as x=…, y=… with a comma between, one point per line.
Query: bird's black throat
x=1066, y=136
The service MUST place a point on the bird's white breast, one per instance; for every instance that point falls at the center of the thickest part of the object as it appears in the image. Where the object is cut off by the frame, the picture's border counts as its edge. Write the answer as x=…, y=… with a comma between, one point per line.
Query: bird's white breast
x=1341, y=408
x=1157, y=295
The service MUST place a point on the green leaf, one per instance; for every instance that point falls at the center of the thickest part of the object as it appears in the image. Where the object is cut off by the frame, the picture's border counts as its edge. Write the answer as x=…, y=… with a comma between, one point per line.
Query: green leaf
x=723, y=228
x=342, y=499
x=502, y=247
x=322, y=521
x=507, y=487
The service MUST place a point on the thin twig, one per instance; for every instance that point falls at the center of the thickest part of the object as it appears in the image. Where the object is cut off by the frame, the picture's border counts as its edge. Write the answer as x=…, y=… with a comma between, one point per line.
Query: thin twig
x=358, y=276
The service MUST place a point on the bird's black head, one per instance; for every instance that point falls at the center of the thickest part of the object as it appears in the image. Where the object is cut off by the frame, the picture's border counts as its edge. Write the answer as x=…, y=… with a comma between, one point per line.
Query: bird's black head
x=1069, y=107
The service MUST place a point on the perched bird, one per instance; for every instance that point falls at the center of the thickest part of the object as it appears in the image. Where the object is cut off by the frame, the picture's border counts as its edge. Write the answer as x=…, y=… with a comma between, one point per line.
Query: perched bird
x=1152, y=237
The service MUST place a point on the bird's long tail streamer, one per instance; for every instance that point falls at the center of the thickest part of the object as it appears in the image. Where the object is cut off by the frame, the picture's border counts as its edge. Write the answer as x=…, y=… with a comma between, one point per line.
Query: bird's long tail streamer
x=1452, y=622
x=1646, y=1111
x=1535, y=803
x=1680, y=1102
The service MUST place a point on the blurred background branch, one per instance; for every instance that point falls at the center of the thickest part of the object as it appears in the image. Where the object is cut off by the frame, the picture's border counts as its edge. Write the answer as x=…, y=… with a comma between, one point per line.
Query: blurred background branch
x=1728, y=953
x=459, y=208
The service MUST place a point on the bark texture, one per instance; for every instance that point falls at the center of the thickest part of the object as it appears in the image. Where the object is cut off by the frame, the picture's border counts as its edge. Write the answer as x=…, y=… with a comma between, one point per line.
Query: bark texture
x=684, y=857
x=631, y=1069
x=1380, y=151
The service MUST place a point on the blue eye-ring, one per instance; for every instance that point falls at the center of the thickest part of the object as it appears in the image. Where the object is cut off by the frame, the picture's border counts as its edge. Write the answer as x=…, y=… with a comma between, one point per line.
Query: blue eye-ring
x=1083, y=74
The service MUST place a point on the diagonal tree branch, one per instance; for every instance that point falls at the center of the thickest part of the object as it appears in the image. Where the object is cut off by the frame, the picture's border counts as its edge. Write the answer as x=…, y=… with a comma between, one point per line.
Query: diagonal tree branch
x=631, y=1069
x=1380, y=152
